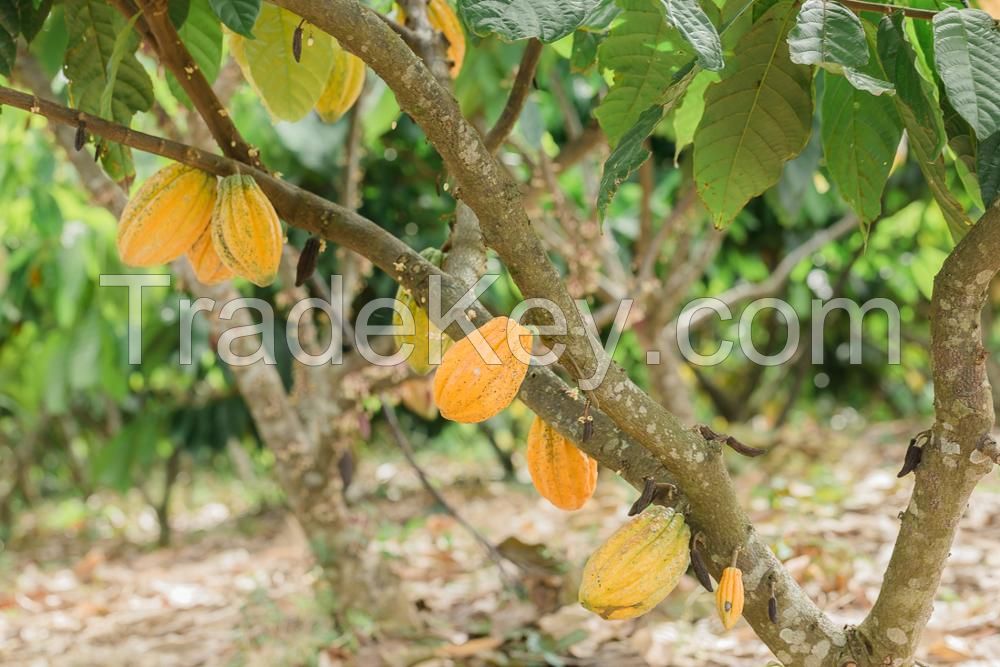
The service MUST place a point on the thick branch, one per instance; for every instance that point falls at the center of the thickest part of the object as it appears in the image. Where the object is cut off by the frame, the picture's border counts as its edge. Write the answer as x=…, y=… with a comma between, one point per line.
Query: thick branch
x=176, y=58
x=518, y=96
x=953, y=462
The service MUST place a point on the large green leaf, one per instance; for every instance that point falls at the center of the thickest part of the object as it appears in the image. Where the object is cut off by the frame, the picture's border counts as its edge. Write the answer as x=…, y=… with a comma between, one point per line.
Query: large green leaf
x=238, y=15
x=631, y=151
x=31, y=15
x=289, y=89
x=645, y=53
x=967, y=53
x=988, y=169
x=202, y=35
x=694, y=25
x=93, y=28
x=921, y=117
x=861, y=133
x=512, y=20
x=757, y=118
x=829, y=35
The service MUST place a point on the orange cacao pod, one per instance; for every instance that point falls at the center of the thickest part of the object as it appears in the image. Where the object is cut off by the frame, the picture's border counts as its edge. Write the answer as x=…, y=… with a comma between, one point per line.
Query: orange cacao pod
x=166, y=216
x=343, y=88
x=208, y=268
x=564, y=475
x=637, y=566
x=246, y=231
x=729, y=595
x=467, y=389
x=442, y=17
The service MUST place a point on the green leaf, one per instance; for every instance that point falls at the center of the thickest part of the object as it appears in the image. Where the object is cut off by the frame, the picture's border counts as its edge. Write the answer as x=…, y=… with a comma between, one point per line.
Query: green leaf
x=868, y=83
x=962, y=146
x=31, y=16
x=238, y=15
x=628, y=156
x=584, y=50
x=289, y=89
x=117, y=54
x=513, y=20
x=631, y=151
x=988, y=169
x=600, y=17
x=178, y=10
x=93, y=28
x=645, y=53
x=967, y=52
x=756, y=119
x=694, y=25
x=829, y=35
x=860, y=136
x=202, y=35
x=922, y=118
x=689, y=112
x=9, y=29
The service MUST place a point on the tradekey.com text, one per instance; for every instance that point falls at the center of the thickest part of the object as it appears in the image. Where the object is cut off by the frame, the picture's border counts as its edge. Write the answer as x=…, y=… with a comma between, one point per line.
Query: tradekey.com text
x=531, y=312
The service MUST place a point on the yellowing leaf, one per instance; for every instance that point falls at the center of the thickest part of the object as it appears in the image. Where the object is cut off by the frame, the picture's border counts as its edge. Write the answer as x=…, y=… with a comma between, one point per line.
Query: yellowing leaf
x=287, y=88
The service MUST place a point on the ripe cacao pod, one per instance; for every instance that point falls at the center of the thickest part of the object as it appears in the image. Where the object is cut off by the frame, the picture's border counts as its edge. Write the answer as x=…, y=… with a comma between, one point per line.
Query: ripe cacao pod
x=425, y=333
x=208, y=268
x=637, y=566
x=467, y=389
x=442, y=17
x=561, y=473
x=166, y=216
x=343, y=88
x=729, y=596
x=246, y=231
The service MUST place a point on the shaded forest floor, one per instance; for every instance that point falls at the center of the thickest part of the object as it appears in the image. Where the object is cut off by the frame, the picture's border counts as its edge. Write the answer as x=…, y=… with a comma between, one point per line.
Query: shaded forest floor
x=235, y=588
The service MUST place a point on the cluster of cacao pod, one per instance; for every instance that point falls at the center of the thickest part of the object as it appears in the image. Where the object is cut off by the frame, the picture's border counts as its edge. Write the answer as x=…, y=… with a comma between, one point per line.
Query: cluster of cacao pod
x=226, y=228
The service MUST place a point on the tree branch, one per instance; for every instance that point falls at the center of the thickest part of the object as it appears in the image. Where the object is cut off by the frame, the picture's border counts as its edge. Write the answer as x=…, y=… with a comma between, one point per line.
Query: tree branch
x=495, y=198
x=953, y=462
x=176, y=58
x=518, y=96
x=862, y=6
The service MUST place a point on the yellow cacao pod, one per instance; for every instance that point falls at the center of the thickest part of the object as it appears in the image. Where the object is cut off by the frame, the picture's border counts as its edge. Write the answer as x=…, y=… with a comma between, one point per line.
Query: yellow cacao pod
x=166, y=216
x=637, y=566
x=343, y=88
x=729, y=596
x=425, y=334
x=443, y=18
x=246, y=232
x=467, y=388
x=561, y=473
x=208, y=268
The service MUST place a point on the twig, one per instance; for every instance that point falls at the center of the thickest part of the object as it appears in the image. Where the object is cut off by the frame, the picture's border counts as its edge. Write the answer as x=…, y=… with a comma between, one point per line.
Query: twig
x=518, y=96
x=176, y=58
x=736, y=445
x=404, y=446
x=408, y=36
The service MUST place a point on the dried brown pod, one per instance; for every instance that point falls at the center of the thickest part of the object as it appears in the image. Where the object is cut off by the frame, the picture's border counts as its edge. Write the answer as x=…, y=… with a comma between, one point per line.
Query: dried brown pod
x=698, y=563
x=81, y=136
x=307, y=261
x=645, y=498
x=772, y=603
x=297, y=42
x=588, y=423
x=914, y=453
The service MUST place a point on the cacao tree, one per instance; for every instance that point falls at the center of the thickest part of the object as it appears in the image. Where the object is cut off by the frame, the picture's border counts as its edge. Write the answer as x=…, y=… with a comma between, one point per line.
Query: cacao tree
x=756, y=99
